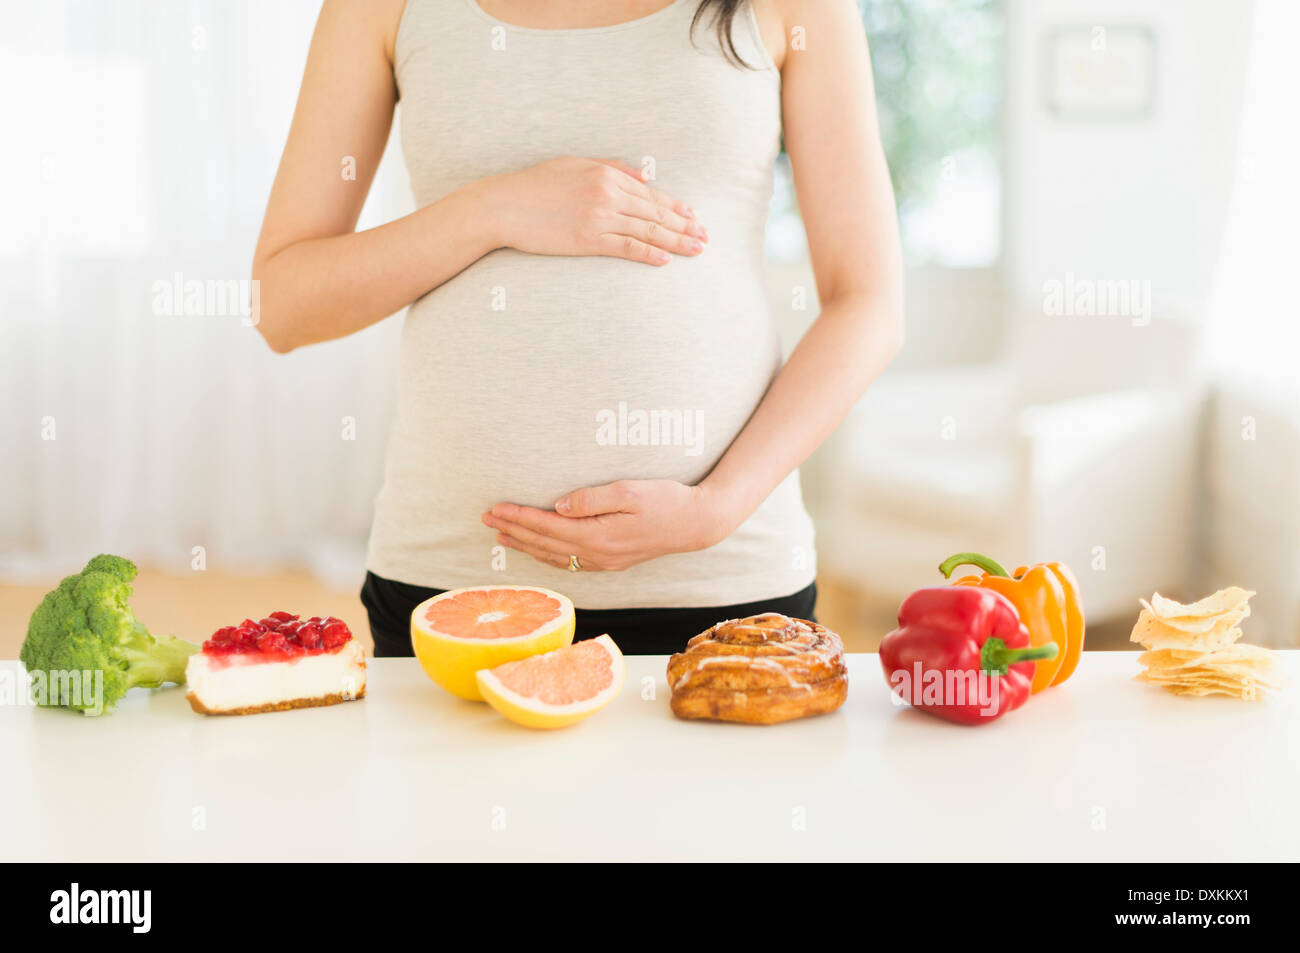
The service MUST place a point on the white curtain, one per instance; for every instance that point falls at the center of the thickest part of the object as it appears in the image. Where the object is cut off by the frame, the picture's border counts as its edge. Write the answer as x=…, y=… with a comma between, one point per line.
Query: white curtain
x=1254, y=334
x=1253, y=344
x=140, y=141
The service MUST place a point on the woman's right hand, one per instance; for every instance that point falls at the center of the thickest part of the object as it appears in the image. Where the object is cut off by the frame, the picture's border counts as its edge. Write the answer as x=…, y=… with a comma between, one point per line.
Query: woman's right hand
x=575, y=206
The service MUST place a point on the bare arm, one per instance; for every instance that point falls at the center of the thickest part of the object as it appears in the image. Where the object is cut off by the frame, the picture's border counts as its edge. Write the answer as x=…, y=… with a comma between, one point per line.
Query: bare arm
x=319, y=279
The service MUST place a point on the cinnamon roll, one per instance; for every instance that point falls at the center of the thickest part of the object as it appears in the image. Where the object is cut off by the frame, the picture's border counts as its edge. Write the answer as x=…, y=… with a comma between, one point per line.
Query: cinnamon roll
x=761, y=670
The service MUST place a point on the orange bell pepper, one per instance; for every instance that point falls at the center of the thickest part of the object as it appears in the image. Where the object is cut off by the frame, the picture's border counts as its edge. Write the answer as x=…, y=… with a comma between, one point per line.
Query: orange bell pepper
x=1047, y=598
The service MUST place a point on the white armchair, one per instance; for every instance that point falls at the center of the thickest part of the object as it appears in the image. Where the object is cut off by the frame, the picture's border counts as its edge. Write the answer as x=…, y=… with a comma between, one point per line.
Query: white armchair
x=1079, y=446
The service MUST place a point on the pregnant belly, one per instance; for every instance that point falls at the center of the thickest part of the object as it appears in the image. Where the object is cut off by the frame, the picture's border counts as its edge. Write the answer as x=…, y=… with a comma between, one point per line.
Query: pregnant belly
x=527, y=377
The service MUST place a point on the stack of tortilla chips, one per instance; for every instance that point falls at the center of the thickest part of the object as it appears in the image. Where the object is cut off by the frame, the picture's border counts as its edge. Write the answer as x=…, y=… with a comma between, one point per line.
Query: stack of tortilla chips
x=1193, y=649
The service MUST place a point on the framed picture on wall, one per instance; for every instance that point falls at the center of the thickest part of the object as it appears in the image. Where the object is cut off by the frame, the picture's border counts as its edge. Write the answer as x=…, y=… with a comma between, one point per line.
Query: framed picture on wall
x=1101, y=72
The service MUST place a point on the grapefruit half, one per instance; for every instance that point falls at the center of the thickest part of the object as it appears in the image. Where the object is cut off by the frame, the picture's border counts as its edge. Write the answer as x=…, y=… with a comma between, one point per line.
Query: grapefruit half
x=461, y=631
x=557, y=688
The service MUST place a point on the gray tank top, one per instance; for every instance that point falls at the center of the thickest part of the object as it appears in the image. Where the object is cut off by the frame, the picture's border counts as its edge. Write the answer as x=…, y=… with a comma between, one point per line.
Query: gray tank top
x=527, y=376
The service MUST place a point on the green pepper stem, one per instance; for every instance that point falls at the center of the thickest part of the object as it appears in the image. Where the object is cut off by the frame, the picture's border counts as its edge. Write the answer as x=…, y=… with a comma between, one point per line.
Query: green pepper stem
x=996, y=657
x=990, y=566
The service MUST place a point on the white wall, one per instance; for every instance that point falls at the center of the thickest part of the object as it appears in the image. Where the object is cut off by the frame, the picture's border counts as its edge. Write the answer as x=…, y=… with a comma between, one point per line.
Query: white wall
x=1116, y=199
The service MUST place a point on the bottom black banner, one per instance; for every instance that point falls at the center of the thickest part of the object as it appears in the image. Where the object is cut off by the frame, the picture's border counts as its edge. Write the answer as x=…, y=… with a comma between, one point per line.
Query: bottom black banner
x=927, y=904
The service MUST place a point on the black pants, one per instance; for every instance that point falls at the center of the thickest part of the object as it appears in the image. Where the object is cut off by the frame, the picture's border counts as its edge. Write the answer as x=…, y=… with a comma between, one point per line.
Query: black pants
x=637, y=631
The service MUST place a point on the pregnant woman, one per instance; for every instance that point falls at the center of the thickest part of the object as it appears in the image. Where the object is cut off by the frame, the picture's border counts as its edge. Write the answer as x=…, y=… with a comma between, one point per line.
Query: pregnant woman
x=591, y=392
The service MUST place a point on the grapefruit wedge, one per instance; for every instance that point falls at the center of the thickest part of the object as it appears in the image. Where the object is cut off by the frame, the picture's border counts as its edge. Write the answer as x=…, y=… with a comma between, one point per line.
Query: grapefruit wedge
x=557, y=688
x=461, y=631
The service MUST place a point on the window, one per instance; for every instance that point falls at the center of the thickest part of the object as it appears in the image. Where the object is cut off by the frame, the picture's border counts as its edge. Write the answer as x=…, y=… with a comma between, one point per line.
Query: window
x=938, y=74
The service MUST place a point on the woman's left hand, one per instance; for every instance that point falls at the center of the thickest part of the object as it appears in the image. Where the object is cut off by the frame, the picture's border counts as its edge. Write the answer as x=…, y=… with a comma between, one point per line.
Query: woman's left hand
x=614, y=526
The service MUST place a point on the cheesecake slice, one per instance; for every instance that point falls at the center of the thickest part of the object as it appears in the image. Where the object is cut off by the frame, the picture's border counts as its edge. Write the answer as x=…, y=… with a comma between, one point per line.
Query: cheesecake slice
x=279, y=663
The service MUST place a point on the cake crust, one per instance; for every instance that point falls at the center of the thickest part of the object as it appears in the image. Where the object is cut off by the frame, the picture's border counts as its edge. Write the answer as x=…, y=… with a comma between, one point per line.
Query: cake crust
x=317, y=702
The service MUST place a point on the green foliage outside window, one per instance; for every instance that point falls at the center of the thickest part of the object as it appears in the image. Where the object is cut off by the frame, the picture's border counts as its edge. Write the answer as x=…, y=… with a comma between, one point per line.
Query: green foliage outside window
x=938, y=74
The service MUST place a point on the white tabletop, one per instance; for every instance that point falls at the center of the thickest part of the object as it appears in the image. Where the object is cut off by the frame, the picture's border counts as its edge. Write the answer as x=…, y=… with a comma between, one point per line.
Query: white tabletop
x=1102, y=768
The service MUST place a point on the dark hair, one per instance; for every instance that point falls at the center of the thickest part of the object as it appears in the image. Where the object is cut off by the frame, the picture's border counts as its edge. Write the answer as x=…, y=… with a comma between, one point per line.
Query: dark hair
x=724, y=14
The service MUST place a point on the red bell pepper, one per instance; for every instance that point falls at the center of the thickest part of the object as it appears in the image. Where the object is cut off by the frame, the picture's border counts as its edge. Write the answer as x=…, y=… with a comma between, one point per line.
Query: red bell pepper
x=961, y=653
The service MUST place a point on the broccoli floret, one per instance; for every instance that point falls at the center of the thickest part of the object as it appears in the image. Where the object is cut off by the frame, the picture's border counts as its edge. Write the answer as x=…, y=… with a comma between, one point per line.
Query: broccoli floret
x=84, y=627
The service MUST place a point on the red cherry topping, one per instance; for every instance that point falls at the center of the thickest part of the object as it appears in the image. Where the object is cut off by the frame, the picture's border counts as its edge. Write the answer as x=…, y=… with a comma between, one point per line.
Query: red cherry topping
x=310, y=636
x=271, y=642
x=334, y=634
x=281, y=634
